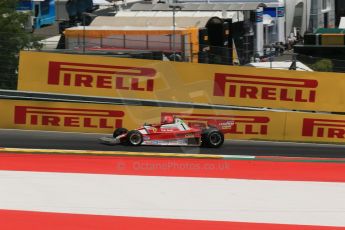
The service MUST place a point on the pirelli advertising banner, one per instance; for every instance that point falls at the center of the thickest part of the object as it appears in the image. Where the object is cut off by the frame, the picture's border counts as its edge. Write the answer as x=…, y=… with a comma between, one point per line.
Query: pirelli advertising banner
x=100, y=118
x=183, y=82
x=315, y=127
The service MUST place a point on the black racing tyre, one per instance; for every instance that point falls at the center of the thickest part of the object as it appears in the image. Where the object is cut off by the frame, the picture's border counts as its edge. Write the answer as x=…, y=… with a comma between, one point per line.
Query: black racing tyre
x=119, y=131
x=134, y=138
x=212, y=138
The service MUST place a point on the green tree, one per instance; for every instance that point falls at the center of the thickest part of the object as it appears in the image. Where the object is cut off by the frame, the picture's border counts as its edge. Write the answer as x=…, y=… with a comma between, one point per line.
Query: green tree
x=323, y=65
x=13, y=38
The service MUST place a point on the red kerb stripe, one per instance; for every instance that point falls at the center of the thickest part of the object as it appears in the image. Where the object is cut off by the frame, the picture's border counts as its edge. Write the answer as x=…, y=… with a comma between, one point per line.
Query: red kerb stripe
x=180, y=167
x=19, y=220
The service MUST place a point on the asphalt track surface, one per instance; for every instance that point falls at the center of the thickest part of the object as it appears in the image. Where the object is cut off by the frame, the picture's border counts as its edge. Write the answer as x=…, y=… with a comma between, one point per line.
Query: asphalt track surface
x=81, y=141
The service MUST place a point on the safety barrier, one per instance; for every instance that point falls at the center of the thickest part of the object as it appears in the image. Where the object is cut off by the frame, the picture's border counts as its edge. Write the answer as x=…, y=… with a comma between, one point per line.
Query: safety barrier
x=104, y=118
x=181, y=82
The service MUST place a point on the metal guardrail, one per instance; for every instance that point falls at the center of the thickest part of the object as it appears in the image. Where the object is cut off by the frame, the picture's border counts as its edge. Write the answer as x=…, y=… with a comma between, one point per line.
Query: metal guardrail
x=55, y=97
x=35, y=96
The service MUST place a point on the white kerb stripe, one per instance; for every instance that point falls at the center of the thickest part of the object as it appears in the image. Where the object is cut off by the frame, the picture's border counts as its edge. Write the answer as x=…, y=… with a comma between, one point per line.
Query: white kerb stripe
x=257, y=201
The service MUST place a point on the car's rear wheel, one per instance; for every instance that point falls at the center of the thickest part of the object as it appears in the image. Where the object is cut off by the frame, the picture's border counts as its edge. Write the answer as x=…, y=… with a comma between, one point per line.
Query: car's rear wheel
x=134, y=138
x=212, y=138
x=119, y=131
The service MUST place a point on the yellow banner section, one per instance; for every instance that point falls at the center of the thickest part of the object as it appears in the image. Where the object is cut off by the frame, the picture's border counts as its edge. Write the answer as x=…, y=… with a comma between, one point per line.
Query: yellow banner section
x=183, y=82
x=315, y=127
x=100, y=118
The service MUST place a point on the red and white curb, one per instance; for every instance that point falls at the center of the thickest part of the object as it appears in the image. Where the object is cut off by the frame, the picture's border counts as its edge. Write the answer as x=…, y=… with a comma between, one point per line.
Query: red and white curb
x=52, y=191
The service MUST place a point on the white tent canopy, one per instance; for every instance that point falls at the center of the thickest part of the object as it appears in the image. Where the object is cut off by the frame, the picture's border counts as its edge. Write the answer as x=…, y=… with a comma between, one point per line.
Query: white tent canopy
x=285, y=65
x=163, y=18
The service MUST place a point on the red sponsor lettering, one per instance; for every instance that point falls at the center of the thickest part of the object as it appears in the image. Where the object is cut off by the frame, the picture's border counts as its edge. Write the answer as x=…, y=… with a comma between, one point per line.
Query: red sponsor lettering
x=248, y=125
x=101, y=76
x=104, y=82
x=265, y=88
x=323, y=128
x=68, y=117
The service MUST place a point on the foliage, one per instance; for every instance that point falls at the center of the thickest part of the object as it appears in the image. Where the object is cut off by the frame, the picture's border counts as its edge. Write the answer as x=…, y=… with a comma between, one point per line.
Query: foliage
x=13, y=38
x=323, y=65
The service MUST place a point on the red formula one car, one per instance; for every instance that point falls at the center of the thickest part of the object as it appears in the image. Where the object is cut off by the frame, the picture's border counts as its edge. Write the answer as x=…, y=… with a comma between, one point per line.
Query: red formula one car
x=171, y=132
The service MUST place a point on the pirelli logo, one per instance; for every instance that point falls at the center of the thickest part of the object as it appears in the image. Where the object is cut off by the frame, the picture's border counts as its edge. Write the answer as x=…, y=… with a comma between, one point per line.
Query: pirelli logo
x=265, y=88
x=68, y=117
x=246, y=125
x=101, y=76
x=323, y=128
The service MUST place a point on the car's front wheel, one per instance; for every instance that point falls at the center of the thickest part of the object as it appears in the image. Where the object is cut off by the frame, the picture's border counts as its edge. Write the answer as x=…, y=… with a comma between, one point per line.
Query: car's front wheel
x=212, y=138
x=134, y=138
x=119, y=131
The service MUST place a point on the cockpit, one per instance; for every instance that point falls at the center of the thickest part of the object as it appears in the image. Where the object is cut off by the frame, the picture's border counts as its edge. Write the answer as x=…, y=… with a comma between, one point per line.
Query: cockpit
x=174, y=122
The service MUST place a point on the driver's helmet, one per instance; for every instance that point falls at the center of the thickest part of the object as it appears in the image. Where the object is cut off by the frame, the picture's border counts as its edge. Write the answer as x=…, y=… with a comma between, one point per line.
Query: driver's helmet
x=168, y=120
